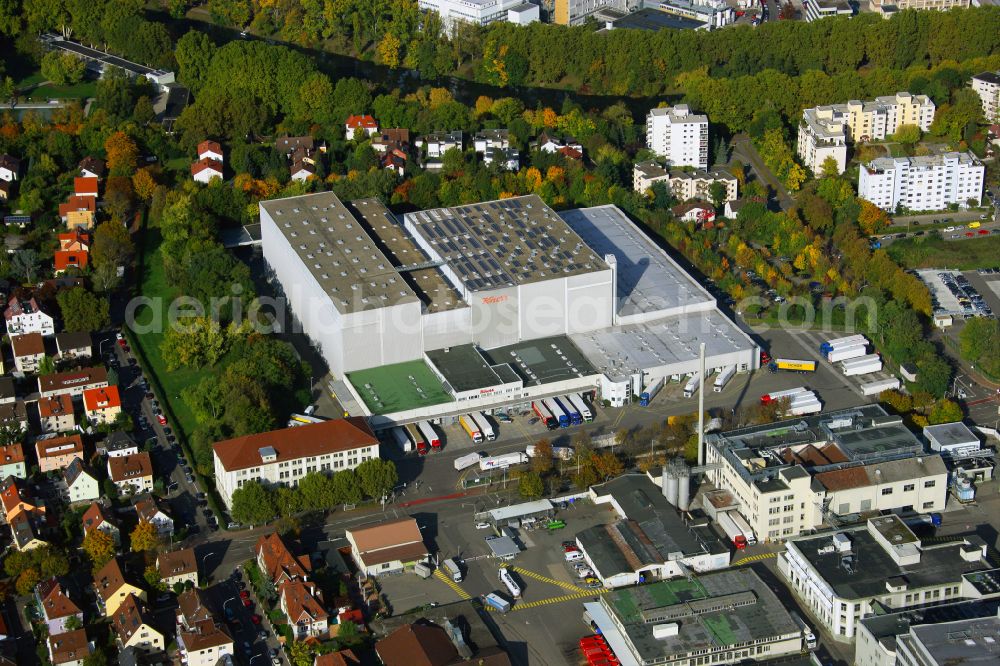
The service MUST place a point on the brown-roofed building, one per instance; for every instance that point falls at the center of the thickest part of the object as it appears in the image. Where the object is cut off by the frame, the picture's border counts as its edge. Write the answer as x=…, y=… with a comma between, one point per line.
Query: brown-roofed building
x=74, y=382
x=26, y=316
x=56, y=414
x=92, y=167
x=280, y=456
x=74, y=345
x=82, y=484
x=29, y=350
x=387, y=547
x=147, y=508
x=14, y=413
x=96, y=517
x=388, y=139
x=85, y=187
x=57, y=608
x=134, y=629
x=211, y=150
x=55, y=453
x=417, y=645
x=178, y=566
x=10, y=167
x=12, y=461
x=132, y=474
x=287, y=145
x=301, y=603
x=339, y=658
x=205, y=169
x=25, y=530
x=112, y=588
x=201, y=640
x=69, y=648
x=277, y=562
x=15, y=499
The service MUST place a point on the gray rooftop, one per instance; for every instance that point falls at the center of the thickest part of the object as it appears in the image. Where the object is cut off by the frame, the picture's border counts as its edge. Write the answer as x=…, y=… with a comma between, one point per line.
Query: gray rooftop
x=338, y=252
x=543, y=361
x=502, y=546
x=921, y=161
x=648, y=279
x=951, y=434
x=885, y=628
x=972, y=641
x=654, y=19
x=502, y=243
x=989, y=77
x=713, y=611
x=464, y=368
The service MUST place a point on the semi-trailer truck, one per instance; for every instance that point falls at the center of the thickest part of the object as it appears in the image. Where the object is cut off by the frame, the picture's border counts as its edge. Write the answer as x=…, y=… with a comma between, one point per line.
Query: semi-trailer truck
x=557, y=412
x=692, y=386
x=744, y=526
x=777, y=395
x=485, y=427
x=574, y=416
x=581, y=406
x=402, y=440
x=847, y=340
x=847, y=353
x=466, y=461
x=732, y=530
x=652, y=388
x=501, y=461
x=470, y=428
x=427, y=430
x=561, y=452
x=876, y=387
x=720, y=382
x=805, y=407
x=418, y=439
x=807, y=634
x=544, y=414
x=794, y=364
x=508, y=580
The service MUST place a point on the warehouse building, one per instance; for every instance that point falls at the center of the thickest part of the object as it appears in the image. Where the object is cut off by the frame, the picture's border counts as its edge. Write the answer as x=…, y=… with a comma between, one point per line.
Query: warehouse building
x=881, y=566
x=797, y=475
x=487, y=305
x=726, y=617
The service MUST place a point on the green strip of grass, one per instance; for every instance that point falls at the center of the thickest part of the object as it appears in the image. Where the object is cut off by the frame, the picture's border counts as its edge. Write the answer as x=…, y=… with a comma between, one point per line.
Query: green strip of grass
x=81, y=90
x=933, y=252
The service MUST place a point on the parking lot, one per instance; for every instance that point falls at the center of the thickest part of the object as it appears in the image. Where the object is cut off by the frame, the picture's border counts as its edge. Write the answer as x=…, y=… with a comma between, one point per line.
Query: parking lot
x=952, y=293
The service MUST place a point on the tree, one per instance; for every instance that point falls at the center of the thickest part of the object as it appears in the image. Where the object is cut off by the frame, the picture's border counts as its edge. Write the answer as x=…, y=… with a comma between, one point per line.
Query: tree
x=73, y=622
x=607, y=465
x=317, y=491
x=252, y=504
x=717, y=193
x=872, y=219
x=46, y=366
x=152, y=577
x=98, y=657
x=301, y=654
x=144, y=537
x=346, y=488
x=530, y=485
x=906, y=134
x=112, y=245
x=194, y=53
x=25, y=262
x=542, y=462
x=980, y=345
x=829, y=168
x=122, y=152
x=118, y=196
x=144, y=184
x=83, y=311
x=378, y=477
x=197, y=342
x=62, y=68
x=945, y=411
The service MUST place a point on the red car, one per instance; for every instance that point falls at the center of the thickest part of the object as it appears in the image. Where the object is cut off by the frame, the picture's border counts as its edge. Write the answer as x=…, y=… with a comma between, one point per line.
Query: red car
x=969, y=234
x=255, y=619
x=121, y=339
x=244, y=594
x=161, y=419
x=247, y=603
x=570, y=549
x=983, y=232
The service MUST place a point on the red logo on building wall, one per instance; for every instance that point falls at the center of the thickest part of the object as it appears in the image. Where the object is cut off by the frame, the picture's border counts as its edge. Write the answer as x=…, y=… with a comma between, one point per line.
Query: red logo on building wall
x=492, y=300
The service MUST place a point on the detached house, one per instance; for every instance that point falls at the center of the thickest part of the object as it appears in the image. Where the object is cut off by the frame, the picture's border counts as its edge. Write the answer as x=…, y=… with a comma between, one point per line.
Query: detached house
x=292, y=145
x=436, y=145
x=15, y=499
x=56, y=453
x=26, y=316
x=132, y=474
x=133, y=628
x=78, y=213
x=69, y=648
x=25, y=531
x=112, y=588
x=10, y=167
x=29, y=350
x=81, y=483
x=298, y=596
x=388, y=547
x=85, y=187
x=72, y=346
x=102, y=405
x=56, y=415
x=204, y=170
x=117, y=445
x=148, y=509
x=92, y=167
x=201, y=640
x=276, y=561
x=548, y=143
x=179, y=566
x=56, y=607
x=14, y=413
x=73, y=252
x=12, y=461
x=210, y=150
x=96, y=517
x=491, y=138
x=363, y=124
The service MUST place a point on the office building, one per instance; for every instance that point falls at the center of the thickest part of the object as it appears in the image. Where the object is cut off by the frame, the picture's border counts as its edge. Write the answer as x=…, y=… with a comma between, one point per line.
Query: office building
x=283, y=457
x=712, y=14
x=797, y=475
x=879, y=567
x=575, y=12
x=890, y=7
x=478, y=12
x=818, y=9
x=725, y=617
x=987, y=86
x=679, y=136
x=923, y=183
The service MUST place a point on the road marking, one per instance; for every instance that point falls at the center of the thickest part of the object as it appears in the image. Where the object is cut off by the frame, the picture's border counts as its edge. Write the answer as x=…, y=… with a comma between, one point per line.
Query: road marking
x=452, y=584
x=545, y=579
x=753, y=558
x=621, y=415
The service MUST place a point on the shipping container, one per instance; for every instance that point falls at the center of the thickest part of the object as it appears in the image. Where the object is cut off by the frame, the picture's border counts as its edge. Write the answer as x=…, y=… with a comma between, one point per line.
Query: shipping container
x=862, y=366
x=727, y=373
x=470, y=428
x=485, y=426
x=813, y=406
x=422, y=570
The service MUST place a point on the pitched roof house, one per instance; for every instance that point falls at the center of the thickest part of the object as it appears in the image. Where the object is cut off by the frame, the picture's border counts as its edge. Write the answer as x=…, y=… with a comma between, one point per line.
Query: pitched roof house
x=56, y=453
x=74, y=345
x=205, y=169
x=91, y=167
x=417, y=645
x=277, y=562
x=27, y=316
x=81, y=483
x=102, y=405
x=133, y=627
x=301, y=603
x=387, y=547
x=85, y=187
x=200, y=639
x=132, y=474
x=112, y=587
x=56, y=415
x=29, y=350
x=147, y=508
x=366, y=124
x=178, y=566
x=25, y=530
x=211, y=150
x=96, y=517
x=56, y=606
x=69, y=648
x=12, y=461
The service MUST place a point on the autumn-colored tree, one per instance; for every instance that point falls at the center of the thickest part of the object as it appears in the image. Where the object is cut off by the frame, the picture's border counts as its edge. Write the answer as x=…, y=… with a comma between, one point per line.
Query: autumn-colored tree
x=118, y=196
x=901, y=403
x=144, y=537
x=607, y=465
x=532, y=179
x=484, y=105
x=872, y=219
x=99, y=547
x=144, y=184
x=530, y=486
x=122, y=152
x=388, y=50
x=112, y=244
x=541, y=463
x=944, y=411
x=439, y=96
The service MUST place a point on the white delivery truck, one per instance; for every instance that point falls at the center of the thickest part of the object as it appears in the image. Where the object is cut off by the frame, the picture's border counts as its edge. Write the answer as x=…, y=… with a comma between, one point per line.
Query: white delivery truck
x=485, y=426
x=402, y=440
x=876, y=387
x=727, y=373
x=847, y=353
x=452, y=568
x=581, y=405
x=807, y=635
x=466, y=461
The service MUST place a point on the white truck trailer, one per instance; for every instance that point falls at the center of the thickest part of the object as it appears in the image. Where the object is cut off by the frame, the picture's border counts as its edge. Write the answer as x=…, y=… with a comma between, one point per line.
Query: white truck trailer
x=720, y=382
x=862, y=366
x=876, y=387
x=501, y=461
x=847, y=353
x=466, y=461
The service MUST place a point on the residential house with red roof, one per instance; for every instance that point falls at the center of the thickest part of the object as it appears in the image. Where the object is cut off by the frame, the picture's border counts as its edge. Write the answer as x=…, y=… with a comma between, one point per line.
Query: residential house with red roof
x=357, y=124
x=56, y=453
x=56, y=415
x=85, y=187
x=338, y=658
x=73, y=252
x=15, y=499
x=12, y=461
x=201, y=640
x=97, y=517
x=55, y=605
x=29, y=350
x=113, y=587
x=211, y=150
x=283, y=456
x=69, y=648
x=276, y=561
x=102, y=405
x=301, y=603
x=204, y=170
x=133, y=627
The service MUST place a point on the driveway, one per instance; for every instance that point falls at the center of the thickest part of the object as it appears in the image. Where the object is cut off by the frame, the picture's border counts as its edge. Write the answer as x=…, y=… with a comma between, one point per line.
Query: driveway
x=744, y=149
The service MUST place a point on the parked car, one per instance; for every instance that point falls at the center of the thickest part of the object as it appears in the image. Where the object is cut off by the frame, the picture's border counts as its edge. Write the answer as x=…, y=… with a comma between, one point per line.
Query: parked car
x=482, y=525
x=255, y=618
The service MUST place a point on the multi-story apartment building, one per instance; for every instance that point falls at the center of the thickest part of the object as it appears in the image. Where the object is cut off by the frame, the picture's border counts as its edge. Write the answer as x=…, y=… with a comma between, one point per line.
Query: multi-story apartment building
x=679, y=136
x=684, y=185
x=818, y=9
x=987, y=86
x=283, y=457
x=825, y=130
x=889, y=7
x=792, y=477
x=575, y=12
x=845, y=575
x=478, y=12
x=927, y=182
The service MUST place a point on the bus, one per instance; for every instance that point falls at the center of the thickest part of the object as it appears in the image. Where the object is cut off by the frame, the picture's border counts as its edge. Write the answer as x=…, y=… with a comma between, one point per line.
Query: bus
x=484, y=425
x=417, y=439
x=470, y=427
x=427, y=430
x=574, y=414
x=544, y=414
x=557, y=412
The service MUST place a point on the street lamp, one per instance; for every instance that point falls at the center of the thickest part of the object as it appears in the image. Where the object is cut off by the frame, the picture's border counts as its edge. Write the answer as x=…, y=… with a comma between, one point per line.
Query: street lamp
x=255, y=657
x=226, y=602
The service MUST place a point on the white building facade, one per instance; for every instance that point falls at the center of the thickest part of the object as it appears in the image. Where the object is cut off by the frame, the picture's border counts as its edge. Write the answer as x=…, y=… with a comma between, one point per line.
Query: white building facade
x=478, y=12
x=987, y=86
x=679, y=136
x=931, y=182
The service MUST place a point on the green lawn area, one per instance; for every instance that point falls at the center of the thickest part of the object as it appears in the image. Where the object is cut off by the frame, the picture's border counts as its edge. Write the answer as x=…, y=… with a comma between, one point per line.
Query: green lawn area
x=29, y=81
x=398, y=387
x=896, y=150
x=81, y=90
x=178, y=164
x=934, y=252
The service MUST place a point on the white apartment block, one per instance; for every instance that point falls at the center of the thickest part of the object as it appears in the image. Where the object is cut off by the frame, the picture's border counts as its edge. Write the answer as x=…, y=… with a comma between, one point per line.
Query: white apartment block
x=987, y=86
x=283, y=457
x=684, y=185
x=575, y=12
x=822, y=135
x=478, y=12
x=845, y=575
x=889, y=7
x=678, y=135
x=929, y=182
x=819, y=9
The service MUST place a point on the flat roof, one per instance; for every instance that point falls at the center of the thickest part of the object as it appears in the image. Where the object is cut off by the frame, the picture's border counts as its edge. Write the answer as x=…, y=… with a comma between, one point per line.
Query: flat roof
x=502, y=546
x=338, y=252
x=648, y=280
x=398, y=387
x=622, y=350
x=951, y=434
x=465, y=369
x=654, y=19
x=503, y=243
x=972, y=641
x=429, y=283
x=543, y=361
x=519, y=510
x=713, y=612
x=885, y=628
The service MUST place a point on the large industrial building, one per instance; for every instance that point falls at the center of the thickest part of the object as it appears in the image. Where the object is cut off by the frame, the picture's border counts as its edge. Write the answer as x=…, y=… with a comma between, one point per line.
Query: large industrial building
x=794, y=476
x=487, y=305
